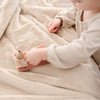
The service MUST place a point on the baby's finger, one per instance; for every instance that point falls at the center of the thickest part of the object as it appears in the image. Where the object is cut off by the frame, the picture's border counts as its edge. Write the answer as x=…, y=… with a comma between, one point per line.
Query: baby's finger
x=23, y=69
x=51, y=29
x=55, y=29
x=30, y=66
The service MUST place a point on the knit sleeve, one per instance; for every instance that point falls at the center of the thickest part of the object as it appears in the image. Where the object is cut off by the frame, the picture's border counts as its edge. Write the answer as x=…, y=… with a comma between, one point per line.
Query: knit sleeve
x=68, y=16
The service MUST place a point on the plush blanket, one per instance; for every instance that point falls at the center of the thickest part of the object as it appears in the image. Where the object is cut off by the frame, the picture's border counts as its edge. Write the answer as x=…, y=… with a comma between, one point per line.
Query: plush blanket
x=23, y=26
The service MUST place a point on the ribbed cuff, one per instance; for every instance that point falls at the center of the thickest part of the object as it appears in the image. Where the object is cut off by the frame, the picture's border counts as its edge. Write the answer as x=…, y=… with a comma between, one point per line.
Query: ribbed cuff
x=52, y=57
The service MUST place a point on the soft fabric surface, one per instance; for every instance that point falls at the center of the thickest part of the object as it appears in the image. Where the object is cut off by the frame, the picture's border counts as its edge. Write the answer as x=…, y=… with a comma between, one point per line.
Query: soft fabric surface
x=23, y=26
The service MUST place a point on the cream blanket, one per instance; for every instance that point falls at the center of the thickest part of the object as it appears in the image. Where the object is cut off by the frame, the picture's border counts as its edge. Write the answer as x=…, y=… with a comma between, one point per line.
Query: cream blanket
x=23, y=26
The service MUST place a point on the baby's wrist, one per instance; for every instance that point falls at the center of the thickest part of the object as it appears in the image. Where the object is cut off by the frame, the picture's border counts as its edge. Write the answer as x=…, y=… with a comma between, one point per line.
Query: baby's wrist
x=44, y=53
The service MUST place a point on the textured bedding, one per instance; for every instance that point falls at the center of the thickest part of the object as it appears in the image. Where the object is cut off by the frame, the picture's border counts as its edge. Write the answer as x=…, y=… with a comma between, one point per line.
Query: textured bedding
x=23, y=26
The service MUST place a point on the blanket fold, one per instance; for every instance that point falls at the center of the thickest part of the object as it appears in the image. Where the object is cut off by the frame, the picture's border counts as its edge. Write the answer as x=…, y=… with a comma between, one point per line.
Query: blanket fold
x=7, y=9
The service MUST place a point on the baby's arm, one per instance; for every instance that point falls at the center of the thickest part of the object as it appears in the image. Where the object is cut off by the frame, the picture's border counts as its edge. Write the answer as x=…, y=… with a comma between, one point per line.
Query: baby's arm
x=78, y=51
x=70, y=55
x=68, y=16
x=64, y=18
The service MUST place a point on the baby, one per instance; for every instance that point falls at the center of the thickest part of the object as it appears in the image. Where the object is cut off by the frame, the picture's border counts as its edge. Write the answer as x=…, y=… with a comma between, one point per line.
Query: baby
x=85, y=14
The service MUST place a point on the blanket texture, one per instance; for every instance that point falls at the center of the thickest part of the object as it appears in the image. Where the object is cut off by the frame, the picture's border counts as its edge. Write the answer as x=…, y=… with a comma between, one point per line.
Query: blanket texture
x=23, y=26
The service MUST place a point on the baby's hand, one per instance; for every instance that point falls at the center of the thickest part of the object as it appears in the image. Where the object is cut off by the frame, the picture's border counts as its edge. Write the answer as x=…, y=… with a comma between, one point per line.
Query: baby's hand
x=54, y=25
x=35, y=55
